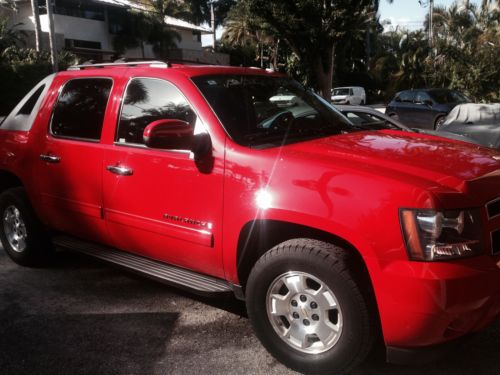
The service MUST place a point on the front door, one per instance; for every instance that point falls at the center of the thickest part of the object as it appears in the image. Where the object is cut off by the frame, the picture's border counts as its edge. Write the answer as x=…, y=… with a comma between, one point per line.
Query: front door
x=69, y=170
x=424, y=114
x=157, y=203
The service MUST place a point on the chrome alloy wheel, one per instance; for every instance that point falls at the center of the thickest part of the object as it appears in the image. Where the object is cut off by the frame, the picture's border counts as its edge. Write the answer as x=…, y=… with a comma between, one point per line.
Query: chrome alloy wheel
x=15, y=229
x=304, y=312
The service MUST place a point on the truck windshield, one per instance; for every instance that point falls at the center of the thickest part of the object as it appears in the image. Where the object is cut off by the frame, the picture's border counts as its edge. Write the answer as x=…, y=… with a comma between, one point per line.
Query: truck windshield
x=260, y=110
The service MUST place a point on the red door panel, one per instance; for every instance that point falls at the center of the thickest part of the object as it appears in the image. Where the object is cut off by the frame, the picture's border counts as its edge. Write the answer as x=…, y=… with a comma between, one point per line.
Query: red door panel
x=167, y=209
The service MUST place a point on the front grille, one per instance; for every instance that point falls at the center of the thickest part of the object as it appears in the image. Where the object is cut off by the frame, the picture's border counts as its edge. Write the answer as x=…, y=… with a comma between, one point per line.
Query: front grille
x=493, y=208
x=495, y=241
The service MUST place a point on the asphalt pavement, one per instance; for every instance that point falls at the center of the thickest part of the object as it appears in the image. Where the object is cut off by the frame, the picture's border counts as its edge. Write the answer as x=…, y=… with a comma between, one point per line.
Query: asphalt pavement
x=81, y=316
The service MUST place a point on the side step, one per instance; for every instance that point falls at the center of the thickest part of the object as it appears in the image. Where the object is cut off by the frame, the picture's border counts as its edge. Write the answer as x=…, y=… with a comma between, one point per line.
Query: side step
x=165, y=273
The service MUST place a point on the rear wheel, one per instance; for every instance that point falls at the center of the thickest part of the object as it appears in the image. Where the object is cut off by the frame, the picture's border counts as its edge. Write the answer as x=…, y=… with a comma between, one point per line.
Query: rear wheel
x=22, y=235
x=439, y=122
x=308, y=308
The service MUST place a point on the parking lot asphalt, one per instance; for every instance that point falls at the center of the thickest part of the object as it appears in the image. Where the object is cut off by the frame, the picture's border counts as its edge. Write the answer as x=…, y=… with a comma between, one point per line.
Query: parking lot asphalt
x=81, y=316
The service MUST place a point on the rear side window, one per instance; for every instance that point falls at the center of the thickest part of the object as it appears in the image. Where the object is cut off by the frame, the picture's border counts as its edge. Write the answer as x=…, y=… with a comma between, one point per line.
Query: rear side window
x=23, y=115
x=406, y=96
x=147, y=100
x=27, y=108
x=79, y=112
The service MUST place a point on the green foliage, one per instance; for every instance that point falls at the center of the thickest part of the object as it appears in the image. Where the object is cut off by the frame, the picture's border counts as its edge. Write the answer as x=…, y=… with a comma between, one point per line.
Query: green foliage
x=309, y=29
x=139, y=27
x=21, y=68
x=464, y=56
x=467, y=51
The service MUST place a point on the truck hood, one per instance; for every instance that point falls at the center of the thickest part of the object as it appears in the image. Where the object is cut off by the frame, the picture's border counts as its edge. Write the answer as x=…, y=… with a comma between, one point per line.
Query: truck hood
x=405, y=155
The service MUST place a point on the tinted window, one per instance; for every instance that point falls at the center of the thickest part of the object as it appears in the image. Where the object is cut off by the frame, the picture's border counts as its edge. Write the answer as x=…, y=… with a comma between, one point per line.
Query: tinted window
x=255, y=112
x=22, y=117
x=421, y=97
x=147, y=100
x=30, y=104
x=406, y=96
x=448, y=96
x=80, y=109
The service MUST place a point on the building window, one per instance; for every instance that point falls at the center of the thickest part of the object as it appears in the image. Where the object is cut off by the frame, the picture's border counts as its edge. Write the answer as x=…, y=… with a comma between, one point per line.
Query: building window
x=197, y=36
x=75, y=8
x=75, y=43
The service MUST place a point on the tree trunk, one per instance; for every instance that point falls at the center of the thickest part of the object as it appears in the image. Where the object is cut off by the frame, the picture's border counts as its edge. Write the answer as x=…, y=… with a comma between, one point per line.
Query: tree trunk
x=52, y=37
x=36, y=21
x=323, y=70
x=275, y=55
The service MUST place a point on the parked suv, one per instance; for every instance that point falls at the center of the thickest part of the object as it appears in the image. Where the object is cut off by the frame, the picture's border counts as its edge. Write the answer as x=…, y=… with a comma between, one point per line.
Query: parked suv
x=349, y=95
x=334, y=235
x=426, y=108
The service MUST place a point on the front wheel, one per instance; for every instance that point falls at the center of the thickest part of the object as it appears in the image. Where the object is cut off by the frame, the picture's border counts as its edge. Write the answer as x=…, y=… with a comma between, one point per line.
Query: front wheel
x=308, y=308
x=21, y=233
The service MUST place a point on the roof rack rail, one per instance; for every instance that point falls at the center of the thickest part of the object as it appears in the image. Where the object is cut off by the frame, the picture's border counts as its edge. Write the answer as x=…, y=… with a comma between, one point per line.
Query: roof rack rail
x=153, y=64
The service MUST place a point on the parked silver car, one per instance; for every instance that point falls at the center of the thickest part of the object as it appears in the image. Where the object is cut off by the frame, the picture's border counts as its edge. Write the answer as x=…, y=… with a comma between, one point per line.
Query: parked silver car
x=479, y=122
x=373, y=119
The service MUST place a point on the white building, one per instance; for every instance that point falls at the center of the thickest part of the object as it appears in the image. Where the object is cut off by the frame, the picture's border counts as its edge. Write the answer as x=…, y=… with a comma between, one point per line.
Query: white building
x=87, y=28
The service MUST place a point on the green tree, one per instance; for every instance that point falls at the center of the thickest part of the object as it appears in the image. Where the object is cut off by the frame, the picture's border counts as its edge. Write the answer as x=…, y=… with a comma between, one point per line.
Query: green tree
x=311, y=29
x=146, y=26
x=467, y=50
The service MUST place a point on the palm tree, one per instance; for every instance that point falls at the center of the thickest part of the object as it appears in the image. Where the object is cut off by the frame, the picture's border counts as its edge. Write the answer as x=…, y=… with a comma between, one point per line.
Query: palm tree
x=241, y=28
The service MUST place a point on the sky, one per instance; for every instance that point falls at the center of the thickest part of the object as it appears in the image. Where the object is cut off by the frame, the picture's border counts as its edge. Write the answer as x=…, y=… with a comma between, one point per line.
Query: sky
x=405, y=13
x=409, y=13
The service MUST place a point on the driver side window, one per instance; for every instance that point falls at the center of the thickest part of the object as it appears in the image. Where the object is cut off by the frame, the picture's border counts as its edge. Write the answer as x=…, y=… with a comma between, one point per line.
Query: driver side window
x=147, y=100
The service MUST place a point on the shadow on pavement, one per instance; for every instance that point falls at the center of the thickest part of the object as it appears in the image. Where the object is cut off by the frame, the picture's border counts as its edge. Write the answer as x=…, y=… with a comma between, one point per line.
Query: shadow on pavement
x=83, y=344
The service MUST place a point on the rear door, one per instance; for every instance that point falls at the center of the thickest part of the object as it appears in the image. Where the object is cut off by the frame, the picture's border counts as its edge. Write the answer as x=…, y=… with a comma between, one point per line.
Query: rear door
x=69, y=170
x=161, y=203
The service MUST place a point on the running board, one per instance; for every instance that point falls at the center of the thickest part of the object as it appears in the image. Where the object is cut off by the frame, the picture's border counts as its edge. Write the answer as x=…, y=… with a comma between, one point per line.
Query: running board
x=165, y=273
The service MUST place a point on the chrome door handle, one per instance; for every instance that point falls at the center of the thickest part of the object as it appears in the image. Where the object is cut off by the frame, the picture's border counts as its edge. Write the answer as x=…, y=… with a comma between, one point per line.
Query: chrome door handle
x=120, y=170
x=50, y=158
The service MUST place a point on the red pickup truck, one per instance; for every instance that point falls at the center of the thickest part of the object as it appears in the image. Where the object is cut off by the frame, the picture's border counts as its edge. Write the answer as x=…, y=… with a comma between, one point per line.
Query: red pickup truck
x=203, y=178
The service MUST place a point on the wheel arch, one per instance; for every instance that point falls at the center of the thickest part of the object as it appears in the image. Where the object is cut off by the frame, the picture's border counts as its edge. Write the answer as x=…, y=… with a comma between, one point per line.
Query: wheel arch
x=9, y=180
x=439, y=116
x=259, y=236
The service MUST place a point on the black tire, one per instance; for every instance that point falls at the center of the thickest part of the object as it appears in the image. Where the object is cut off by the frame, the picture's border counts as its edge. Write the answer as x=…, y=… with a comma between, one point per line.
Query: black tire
x=335, y=268
x=439, y=122
x=36, y=250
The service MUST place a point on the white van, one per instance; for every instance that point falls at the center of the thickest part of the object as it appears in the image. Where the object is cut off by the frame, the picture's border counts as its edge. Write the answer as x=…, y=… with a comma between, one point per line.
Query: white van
x=349, y=95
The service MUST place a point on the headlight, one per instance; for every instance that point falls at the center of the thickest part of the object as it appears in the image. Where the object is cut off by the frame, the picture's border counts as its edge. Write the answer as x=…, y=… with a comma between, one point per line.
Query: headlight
x=441, y=235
